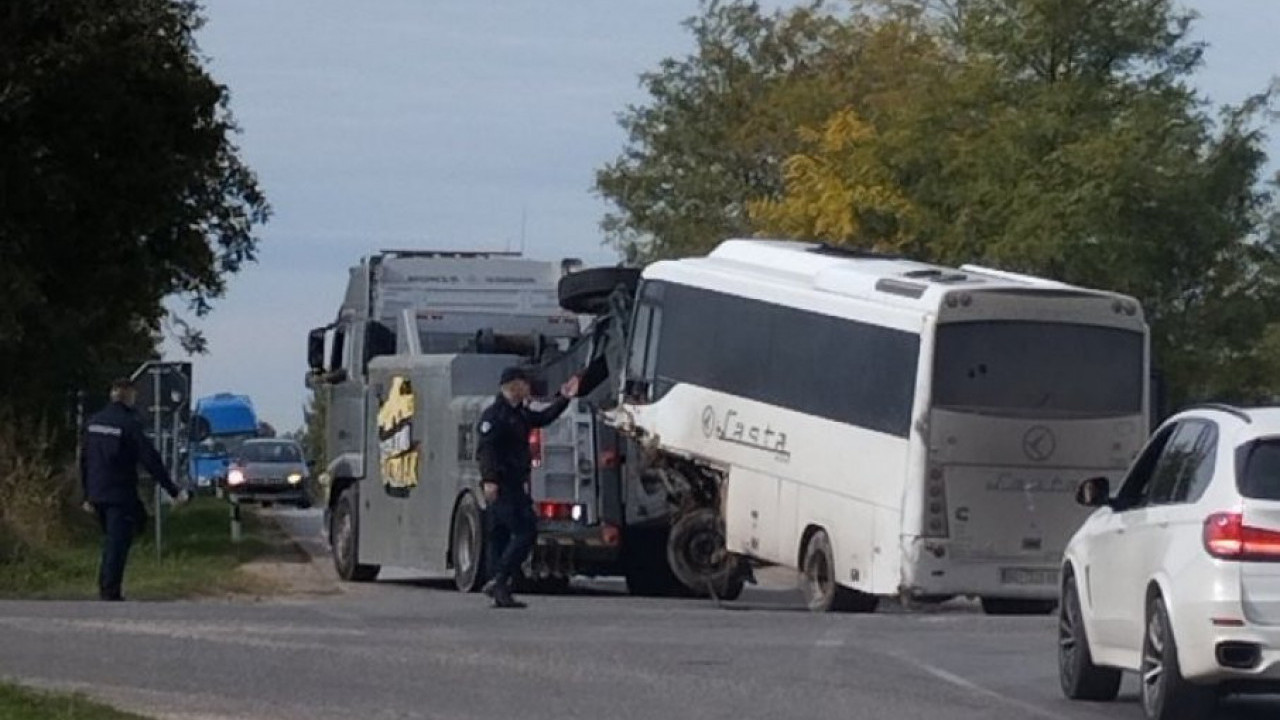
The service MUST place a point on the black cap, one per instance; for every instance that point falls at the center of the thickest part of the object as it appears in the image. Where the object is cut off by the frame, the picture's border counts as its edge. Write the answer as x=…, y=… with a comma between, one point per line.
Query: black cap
x=512, y=374
x=121, y=384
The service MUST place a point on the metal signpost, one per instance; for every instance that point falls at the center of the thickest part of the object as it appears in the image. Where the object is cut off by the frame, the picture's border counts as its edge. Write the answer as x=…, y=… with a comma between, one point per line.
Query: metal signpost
x=164, y=397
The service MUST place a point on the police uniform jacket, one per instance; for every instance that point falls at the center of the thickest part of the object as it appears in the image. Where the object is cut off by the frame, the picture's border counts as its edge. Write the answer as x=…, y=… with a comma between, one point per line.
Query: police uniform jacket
x=504, y=442
x=113, y=447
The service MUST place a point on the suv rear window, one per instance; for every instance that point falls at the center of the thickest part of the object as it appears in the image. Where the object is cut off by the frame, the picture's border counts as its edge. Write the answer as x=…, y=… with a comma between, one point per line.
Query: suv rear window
x=1258, y=469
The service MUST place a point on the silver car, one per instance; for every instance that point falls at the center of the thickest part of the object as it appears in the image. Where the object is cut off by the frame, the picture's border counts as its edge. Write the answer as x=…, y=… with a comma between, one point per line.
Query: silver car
x=269, y=472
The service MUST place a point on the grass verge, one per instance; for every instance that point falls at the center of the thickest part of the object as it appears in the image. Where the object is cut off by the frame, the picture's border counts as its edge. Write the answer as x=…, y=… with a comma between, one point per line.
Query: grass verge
x=198, y=559
x=18, y=703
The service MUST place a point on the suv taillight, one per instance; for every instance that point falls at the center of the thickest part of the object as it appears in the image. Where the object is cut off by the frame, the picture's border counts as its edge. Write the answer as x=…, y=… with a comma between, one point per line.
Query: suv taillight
x=535, y=447
x=1226, y=537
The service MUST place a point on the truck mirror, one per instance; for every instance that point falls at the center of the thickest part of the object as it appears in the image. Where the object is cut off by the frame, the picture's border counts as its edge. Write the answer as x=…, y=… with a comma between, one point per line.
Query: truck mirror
x=315, y=349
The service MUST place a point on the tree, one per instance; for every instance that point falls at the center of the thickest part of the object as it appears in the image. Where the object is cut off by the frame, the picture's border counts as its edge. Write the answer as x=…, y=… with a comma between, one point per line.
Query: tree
x=120, y=186
x=720, y=123
x=1057, y=137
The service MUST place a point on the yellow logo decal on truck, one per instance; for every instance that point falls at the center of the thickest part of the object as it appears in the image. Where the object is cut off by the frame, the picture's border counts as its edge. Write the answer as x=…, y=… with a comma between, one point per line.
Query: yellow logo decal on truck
x=398, y=444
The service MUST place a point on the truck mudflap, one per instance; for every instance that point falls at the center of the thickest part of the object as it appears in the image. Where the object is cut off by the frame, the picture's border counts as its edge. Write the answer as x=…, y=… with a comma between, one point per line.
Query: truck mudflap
x=563, y=553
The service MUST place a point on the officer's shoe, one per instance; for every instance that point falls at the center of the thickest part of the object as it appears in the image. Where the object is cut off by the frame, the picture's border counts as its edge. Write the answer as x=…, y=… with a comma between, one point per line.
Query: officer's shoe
x=490, y=587
x=502, y=598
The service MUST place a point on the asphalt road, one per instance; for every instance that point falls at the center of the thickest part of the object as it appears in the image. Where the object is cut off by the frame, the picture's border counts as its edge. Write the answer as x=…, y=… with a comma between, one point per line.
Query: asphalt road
x=416, y=649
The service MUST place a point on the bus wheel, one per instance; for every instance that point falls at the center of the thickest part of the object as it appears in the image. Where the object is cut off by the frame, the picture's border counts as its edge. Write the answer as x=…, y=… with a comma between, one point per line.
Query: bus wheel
x=697, y=555
x=1010, y=606
x=822, y=592
x=468, y=546
x=345, y=539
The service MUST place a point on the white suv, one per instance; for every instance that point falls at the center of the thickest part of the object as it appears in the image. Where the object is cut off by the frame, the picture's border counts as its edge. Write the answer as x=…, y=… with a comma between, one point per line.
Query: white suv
x=1177, y=577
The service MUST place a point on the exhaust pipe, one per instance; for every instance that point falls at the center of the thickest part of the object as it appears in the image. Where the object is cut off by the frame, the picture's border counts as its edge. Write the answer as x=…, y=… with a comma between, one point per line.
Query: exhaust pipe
x=1238, y=655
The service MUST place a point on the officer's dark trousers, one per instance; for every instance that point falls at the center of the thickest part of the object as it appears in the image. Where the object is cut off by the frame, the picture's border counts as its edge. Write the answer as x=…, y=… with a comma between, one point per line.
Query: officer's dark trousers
x=119, y=522
x=513, y=529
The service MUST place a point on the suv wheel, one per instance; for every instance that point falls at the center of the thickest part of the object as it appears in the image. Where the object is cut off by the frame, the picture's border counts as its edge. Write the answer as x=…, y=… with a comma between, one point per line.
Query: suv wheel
x=1166, y=695
x=1079, y=677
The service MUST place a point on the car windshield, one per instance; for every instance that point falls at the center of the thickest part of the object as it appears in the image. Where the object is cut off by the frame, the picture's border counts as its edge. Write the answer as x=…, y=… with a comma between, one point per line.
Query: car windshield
x=1038, y=369
x=270, y=452
x=1260, y=470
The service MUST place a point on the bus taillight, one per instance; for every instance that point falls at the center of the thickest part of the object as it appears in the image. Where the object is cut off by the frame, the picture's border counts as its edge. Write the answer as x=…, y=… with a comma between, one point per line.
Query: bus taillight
x=935, y=505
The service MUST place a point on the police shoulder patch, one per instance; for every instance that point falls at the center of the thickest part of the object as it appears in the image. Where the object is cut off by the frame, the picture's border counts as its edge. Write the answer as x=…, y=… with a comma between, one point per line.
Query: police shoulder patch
x=486, y=426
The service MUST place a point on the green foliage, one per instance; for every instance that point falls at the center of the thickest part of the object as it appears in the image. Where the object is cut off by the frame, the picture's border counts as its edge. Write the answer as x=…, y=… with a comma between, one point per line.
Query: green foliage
x=1056, y=137
x=119, y=186
x=198, y=559
x=18, y=703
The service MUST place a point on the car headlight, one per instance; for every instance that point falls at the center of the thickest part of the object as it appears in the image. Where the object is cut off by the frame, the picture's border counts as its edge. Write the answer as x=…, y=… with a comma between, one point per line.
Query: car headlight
x=295, y=478
x=235, y=477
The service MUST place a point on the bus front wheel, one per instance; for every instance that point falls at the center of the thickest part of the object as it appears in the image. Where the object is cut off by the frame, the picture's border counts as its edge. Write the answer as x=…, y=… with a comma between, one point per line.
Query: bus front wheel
x=698, y=557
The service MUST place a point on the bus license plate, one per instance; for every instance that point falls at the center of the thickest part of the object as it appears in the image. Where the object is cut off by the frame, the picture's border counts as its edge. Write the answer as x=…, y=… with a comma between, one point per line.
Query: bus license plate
x=1028, y=576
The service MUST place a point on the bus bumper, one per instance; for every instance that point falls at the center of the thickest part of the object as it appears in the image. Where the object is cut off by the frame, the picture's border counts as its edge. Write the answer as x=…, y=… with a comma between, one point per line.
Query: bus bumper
x=932, y=570
x=564, y=550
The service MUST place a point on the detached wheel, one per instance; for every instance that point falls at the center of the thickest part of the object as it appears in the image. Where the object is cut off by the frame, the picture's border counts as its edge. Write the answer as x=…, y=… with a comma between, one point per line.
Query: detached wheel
x=1009, y=606
x=1079, y=677
x=587, y=291
x=468, y=546
x=698, y=557
x=345, y=541
x=822, y=592
x=1166, y=695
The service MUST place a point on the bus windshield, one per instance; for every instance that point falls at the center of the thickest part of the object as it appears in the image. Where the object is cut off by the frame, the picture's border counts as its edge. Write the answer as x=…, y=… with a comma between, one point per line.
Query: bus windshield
x=1038, y=369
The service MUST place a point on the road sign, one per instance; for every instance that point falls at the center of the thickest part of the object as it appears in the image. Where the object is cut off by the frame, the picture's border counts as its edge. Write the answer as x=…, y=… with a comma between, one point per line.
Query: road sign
x=164, y=399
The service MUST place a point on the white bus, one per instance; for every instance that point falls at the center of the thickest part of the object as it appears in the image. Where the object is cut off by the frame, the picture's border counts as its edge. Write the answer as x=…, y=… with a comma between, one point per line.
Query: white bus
x=887, y=427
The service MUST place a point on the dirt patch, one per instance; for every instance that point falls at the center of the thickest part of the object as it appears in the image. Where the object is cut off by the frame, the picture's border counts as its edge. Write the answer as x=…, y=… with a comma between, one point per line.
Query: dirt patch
x=286, y=569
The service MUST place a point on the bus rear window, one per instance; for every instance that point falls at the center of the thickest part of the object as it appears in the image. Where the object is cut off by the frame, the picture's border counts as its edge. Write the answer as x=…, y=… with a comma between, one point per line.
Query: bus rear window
x=1258, y=469
x=1038, y=368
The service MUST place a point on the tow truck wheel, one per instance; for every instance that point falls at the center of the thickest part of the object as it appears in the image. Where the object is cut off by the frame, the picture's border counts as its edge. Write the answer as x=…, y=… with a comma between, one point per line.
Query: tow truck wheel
x=697, y=555
x=468, y=546
x=822, y=592
x=346, y=539
x=644, y=563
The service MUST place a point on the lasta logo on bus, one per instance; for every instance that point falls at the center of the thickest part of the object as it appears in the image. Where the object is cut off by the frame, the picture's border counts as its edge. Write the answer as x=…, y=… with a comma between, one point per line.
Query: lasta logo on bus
x=731, y=428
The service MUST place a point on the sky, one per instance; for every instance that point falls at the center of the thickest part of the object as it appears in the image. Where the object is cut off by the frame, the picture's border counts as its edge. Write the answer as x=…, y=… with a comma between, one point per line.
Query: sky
x=463, y=125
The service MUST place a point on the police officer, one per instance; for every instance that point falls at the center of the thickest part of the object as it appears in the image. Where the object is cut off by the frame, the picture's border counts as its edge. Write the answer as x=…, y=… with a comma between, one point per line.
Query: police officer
x=505, y=463
x=113, y=447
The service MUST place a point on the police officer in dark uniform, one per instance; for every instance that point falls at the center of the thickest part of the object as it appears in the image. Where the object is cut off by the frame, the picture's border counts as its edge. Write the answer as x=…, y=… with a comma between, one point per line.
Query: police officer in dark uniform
x=113, y=447
x=505, y=464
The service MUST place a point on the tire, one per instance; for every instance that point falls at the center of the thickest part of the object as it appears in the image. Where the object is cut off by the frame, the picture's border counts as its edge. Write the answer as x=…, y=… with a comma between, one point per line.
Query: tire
x=468, y=546
x=1012, y=607
x=1165, y=694
x=1079, y=677
x=644, y=563
x=698, y=558
x=822, y=592
x=346, y=537
x=587, y=291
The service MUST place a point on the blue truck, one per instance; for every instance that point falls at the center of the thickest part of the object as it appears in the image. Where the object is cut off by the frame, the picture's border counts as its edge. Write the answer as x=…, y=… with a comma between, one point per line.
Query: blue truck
x=230, y=420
